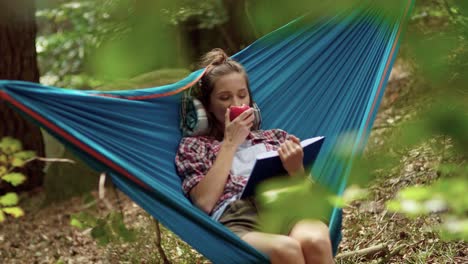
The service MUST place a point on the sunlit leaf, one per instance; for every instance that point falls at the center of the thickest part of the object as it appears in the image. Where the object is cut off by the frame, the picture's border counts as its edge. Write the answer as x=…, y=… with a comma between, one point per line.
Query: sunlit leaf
x=3, y=170
x=412, y=208
x=284, y=201
x=9, y=145
x=453, y=191
x=393, y=206
x=338, y=201
x=76, y=223
x=14, y=211
x=417, y=193
x=15, y=162
x=14, y=178
x=25, y=155
x=3, y=158
x=354, y=193
x=9, y=199
x=346, y=146
x=454, y=228
x=86, y=219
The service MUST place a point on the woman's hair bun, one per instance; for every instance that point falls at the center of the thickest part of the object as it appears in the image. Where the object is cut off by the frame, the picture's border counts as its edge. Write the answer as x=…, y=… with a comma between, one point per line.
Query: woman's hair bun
x=214, y=57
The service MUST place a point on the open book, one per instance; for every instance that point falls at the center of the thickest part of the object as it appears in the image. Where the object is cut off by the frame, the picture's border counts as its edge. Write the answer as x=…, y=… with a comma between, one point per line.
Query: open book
x=268, y=164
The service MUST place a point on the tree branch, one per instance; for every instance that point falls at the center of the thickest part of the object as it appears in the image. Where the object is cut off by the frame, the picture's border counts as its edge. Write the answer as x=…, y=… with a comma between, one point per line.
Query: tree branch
x=158, y=243
x=44, y=160
x=365, y=252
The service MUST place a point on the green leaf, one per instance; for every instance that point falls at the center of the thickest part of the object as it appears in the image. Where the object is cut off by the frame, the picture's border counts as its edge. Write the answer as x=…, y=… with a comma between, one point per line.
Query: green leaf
x=3, y=170
x=283, y=202
x=14, y=178
x=345, y=145
x=412, y=208
x=102, y=232
x=417, y=193
x=2, y=216
x=393, y=206
x=3, y=158
x=14, y=211
x=338, y=201
x=118, y=226
x=9, y=145
x=76, y=223
x=17, y=162
x=454, y=229
x=9, y=199
x=353, y=193
x=25, y=155
x=86, y=219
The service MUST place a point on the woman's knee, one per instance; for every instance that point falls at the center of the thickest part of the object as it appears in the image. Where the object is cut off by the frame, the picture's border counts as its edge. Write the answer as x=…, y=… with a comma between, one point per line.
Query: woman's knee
x=286, y=248
x=313, y=236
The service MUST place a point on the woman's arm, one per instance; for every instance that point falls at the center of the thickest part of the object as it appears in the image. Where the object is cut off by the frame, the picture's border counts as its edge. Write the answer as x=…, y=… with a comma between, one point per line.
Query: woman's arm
x=207, y=192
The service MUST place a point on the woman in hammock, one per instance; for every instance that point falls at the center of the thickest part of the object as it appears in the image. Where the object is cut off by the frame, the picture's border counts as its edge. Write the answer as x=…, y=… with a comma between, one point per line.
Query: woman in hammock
x=214, y=169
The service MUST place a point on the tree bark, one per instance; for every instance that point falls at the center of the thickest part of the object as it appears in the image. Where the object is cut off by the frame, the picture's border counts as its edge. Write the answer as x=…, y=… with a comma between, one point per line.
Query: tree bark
x=240, y=28
x=18, y=61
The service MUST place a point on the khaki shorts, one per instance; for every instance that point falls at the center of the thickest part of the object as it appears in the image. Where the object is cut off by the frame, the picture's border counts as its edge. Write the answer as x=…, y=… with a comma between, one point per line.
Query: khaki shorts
x=241, y=217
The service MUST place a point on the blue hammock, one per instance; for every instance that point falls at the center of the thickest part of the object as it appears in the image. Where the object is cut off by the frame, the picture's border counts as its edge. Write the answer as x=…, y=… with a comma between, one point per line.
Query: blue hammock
x=329, y=75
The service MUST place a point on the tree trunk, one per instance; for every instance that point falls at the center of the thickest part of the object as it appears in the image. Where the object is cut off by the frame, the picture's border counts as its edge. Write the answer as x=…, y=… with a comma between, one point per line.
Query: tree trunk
x=18, y=62
x=240, y=29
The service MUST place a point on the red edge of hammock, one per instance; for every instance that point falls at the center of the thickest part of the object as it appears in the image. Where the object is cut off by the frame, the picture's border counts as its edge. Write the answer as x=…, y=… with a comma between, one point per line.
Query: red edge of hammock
x=152, y=96
x=70, y=138
x=81, y=145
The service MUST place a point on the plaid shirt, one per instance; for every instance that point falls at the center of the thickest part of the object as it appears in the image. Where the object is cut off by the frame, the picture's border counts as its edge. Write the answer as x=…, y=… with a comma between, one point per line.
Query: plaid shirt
x=197, y=154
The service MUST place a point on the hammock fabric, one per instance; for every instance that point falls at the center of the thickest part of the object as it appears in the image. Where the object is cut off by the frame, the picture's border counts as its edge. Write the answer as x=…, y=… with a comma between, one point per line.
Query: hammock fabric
x=329, y=75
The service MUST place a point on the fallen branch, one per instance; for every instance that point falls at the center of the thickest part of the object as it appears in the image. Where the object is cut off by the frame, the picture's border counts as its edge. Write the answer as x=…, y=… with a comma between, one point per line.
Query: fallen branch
x=52, y=160
x=395, y=251
x=158, y=243
x=365, y=252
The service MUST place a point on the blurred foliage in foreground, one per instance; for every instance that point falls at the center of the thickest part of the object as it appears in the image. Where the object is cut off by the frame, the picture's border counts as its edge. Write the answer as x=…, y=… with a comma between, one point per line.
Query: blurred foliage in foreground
x=12, y=156
x=69, y=31
x=84, y=44
x=439, y=54
x=89, y=43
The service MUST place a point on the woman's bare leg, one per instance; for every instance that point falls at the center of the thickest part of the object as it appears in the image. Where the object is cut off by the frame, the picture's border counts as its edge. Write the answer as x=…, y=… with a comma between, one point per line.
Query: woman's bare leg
x=314, y=238
x=280, y=249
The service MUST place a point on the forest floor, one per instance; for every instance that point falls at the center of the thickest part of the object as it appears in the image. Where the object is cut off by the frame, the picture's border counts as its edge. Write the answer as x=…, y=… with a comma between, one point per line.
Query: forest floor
x=44, y=234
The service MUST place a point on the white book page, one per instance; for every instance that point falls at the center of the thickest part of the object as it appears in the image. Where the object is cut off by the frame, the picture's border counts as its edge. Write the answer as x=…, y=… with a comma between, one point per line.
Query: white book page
x=274, y=153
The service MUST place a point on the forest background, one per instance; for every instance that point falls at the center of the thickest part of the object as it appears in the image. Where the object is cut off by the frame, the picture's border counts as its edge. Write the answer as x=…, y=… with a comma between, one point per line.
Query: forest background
x=407, y=199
